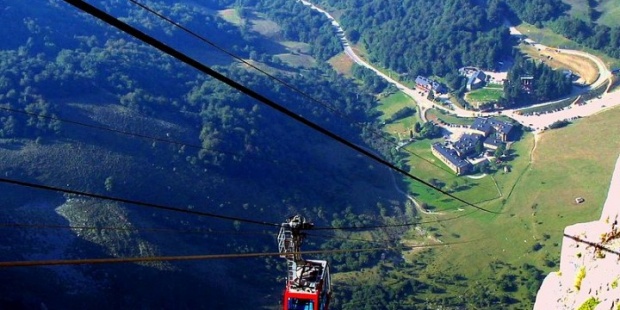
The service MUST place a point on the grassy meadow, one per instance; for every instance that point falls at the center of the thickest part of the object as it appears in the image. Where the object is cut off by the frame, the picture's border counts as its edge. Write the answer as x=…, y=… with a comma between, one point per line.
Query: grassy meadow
x=490, y=93
x=607, y=11
x=342, y=64
x=448, y=118
x=549, y=38
x=390, y=105
x=537, y=199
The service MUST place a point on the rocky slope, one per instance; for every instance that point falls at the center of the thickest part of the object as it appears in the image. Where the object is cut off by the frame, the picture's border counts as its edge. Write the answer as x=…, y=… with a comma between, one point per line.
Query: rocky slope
x=588, y=275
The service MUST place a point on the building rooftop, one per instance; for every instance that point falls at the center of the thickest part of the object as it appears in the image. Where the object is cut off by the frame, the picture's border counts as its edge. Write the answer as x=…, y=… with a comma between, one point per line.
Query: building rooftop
x=467, y=143
x=450, y=155
x=485, y=124
x=493, y=140
x=429, y=83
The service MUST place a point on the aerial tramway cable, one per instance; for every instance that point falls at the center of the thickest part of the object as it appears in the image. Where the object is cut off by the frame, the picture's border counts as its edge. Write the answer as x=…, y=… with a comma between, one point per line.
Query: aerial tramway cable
x=135, y=202
x=7, y=264
x=326, y=105
x=88, y=8
x=196, y=257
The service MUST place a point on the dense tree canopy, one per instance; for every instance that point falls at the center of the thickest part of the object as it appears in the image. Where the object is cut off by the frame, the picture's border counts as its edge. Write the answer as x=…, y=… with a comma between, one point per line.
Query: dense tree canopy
x=596, y=36
x=427, y=37
x=530, y=81
x=537, y=11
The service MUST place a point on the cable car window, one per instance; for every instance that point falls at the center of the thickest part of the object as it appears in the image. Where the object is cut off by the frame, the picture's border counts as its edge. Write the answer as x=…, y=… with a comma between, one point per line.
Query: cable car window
x=300, y=304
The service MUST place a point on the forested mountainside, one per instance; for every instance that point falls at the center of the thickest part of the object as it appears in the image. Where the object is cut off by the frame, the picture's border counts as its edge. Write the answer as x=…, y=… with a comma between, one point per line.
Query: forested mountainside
x=86, y=108
x=428, y=37
x=585, y=30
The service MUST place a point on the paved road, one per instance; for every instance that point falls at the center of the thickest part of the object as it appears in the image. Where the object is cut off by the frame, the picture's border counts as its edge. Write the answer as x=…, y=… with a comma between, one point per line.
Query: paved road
x=421, y=100
x=537, y=122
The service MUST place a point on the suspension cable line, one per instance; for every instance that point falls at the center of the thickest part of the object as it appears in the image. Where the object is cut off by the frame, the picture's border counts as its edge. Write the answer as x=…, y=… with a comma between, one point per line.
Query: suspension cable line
x=335, y=110
x=90, y=261
x=109, y=19
x=135, y=202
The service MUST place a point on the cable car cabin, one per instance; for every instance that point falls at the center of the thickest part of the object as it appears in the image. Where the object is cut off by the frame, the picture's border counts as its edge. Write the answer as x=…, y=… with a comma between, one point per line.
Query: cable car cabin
x=309, y=287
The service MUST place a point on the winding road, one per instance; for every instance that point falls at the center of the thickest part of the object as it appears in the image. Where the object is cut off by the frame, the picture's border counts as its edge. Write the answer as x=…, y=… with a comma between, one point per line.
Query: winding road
x=537, y=122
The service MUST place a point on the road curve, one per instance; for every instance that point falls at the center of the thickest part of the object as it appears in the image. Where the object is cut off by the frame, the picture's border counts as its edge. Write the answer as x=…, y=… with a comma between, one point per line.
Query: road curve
x=534, y=121
x=421, y=100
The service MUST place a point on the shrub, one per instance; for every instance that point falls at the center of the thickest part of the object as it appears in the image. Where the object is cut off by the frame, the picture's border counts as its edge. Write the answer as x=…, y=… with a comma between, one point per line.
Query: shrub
x=589, y=304
x=580, y=275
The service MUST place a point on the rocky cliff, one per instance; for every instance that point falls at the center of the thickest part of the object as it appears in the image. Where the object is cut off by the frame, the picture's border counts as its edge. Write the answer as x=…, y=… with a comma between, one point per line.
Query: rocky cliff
x=589, y=272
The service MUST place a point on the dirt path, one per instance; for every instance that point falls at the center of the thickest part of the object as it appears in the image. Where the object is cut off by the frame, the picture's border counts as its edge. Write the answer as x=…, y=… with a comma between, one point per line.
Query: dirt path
x=536, y=139
x=415, y=202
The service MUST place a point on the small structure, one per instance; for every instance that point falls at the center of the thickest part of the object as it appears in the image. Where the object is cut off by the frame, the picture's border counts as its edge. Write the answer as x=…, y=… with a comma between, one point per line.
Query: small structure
x=492, y=143
x=426, y=84
x=579, y=200
x=526, y=83
x=476, y=78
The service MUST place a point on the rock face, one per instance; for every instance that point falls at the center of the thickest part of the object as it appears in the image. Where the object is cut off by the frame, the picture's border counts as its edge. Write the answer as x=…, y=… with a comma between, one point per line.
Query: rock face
x=116, y=234
x=587, y=274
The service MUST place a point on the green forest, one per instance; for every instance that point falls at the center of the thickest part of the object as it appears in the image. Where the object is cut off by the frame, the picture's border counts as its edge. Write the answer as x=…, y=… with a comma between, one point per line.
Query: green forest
x=91, y=109
x=424, y=37
x=545, y=84
x=554, y=15
x=85, y=107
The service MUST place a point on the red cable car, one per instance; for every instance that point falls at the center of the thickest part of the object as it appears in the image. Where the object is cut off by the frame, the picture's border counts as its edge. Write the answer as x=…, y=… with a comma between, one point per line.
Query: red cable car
x=308, y=284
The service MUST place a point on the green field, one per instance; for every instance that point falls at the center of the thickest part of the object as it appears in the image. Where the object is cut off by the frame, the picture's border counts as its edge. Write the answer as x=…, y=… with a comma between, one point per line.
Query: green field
x=487, y=94
x=608, y=11
x=576, y=161
x=390, y=105
x=298, y=61
x=549, y=38
x=448, y=118
x=474, y=190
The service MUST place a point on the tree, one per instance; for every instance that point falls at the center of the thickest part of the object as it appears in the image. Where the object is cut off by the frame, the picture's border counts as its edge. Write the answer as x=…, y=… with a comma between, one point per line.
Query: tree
x=499, y=152
x=109, y=184
x=479, y=146
x=417, y=127
x=431, y=95
x=430, y=131
x=402, y=113
x=353, y=35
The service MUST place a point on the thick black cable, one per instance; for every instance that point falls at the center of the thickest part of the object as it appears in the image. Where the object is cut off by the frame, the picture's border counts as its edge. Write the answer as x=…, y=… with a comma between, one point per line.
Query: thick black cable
x=284, y=83
x=135, y=202
x=593, y=244
x=109, y=19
